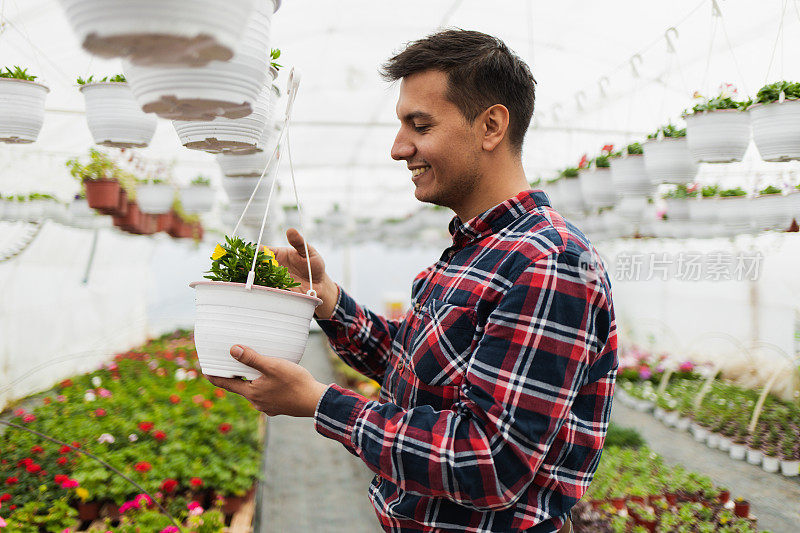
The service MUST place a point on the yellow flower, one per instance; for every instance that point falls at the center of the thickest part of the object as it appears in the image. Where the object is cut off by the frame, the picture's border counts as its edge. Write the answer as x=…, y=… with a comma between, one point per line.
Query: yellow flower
x=270, y=257
x=219, y=251
x=82, y=493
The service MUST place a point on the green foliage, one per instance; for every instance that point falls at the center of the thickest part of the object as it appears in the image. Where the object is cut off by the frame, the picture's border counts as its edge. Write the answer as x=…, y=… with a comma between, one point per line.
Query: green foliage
x=771, y=93
x=35, y=516
x=234, y=264
x=274, y=54
x=201, y=181
x=720, y=102
x=727, y=193
x=681, y=192
x=669, y=131
x=569, y=173
x=100, y=166
x=603, y=161
x=635, y=149
x=17, y=74
x=710, y=191
x=118, y=78
x=623, y=437
x=770, y=189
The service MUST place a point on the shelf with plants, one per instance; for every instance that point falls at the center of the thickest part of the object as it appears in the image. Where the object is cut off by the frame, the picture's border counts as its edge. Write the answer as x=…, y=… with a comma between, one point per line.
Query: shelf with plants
x=149, y=414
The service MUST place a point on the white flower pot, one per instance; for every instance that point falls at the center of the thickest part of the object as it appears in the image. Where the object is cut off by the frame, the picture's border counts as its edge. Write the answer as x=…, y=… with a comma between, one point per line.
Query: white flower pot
x=776, y=130
x=735, y=214
x=790, y=468
x=630, y=176
x=160, y=32
x=658, y=413
x=772, y=211
x=678, y=209
x=669, y=160
x=239, y=191
x=115, y=118
x=197, y=198
x=250, y=165
x=571, y=196
x=683, y=423
x=699, y=433
x=272, y=322
x=754, y=457
x=724, y=443
x=220, y=89
x=770, y=464
x=21, y=110
x=737, y=451
x=229, y=136
x=597, y=188
x=155, y=199
x=704, y=211
x=712, y=441
x=719, y=136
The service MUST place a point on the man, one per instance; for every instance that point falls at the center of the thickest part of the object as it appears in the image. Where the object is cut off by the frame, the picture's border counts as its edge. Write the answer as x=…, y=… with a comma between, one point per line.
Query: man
x=497, y=384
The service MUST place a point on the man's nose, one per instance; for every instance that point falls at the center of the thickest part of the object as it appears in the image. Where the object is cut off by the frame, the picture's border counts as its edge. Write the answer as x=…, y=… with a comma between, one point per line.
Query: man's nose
x=402, y=149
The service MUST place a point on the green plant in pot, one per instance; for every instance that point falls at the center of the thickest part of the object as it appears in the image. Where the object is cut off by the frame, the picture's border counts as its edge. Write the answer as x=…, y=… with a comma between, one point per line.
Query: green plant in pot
x=101, y=179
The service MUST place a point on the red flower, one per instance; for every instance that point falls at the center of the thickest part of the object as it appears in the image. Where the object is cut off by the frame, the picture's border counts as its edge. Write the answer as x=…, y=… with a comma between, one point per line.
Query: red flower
x=66, y=383
x=168, y=355
x=70, y=484
x=608, y=148
x=64, y=449
x=33, y=468
x=37, y=449
x=583, y=162
x=208, y=404
x=196, y=482
x=11, y=480
x=28, y=418
x=145, y=426
x=159, y=435
x=224, y=428
x=5, y=497
x=174, y=398
x=12, y=507
x=169, y=485
x=76, y=444
x=198, y=399
x=100, y=412
x=25, y=462
x=219, y=393
x=60, y=478
x=47, y=400
x=180, y=385
x=143, y=466
x=62, y=460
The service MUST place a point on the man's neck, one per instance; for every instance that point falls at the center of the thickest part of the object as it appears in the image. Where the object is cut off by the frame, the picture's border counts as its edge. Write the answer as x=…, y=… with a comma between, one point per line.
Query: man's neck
x=495, y=187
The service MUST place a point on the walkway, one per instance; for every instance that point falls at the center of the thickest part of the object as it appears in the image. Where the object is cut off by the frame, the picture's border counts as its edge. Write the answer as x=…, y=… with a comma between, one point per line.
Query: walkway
x=774, y=499
x=312, y=484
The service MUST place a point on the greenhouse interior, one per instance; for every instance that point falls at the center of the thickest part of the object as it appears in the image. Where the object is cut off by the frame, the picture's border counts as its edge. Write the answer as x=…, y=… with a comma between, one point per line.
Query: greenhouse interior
x=423, y=266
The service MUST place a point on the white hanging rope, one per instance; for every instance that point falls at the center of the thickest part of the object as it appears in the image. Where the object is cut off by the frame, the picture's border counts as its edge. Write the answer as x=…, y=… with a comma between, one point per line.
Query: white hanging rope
x=714, y=20
x=311, y=291
x=777, y=39
x=730, y=47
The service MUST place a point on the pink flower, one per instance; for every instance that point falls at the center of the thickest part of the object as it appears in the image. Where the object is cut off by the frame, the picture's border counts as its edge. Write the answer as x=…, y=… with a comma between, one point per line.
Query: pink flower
x=170, y=529
x=19, y=412
x=686, y=366
x=61, y=398
x=194, y=509
x=645, y=373
x=28, y=418
x=104, y=393
x=143, y=499
x=70, y=484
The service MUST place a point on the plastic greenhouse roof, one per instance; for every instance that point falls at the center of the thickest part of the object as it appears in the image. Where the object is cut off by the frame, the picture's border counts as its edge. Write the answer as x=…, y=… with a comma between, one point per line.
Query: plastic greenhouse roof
x=344, y=121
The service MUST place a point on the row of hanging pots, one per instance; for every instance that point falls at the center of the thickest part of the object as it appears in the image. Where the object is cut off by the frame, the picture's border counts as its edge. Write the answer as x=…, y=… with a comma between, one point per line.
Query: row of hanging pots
x=33, y=211
x=227, y=89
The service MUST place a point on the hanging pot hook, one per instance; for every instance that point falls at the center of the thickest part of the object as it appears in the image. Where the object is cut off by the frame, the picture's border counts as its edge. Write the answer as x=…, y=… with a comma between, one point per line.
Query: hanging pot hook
x=580, y=97
x=603, y=83
x=633, y=62
x=670, y=44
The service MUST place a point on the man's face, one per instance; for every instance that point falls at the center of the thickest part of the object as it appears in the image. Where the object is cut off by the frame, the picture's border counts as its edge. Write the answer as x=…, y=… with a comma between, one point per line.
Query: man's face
x=437, y=143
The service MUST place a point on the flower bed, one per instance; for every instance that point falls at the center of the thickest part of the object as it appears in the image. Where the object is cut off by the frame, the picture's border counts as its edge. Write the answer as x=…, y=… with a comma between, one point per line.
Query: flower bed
x=149, y=415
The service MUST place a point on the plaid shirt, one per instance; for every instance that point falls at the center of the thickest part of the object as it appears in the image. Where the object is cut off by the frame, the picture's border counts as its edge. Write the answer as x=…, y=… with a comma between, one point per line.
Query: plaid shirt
x=496, y=385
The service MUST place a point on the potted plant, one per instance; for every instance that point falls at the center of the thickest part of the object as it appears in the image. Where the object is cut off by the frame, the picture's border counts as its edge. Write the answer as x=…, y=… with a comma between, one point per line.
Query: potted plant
x=703, y=211
x=734, y=211
x=754, y=443
x=100, y=179
x=163, y=33
x=741, y=507
x=155, y=196
x=206, y=92
x=198, y=197
x=224, y=304
x=115, y=118
x=629, y=174
x=233, y=136
x=775, y=117
x=570, y=192
x=771, y=461
x=597, y=186
x=738, y=449
x=718, y=129
x=667, y=158
x=771, y=210
x=21, y=106
x=790, y=454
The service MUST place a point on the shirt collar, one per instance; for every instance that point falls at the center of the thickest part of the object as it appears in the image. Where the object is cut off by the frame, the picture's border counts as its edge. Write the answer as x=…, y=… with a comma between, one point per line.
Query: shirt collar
x=496, y=218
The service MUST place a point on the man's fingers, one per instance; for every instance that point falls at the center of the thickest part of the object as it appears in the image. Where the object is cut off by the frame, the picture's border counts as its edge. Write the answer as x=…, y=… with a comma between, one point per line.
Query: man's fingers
x=250, y=357
x=297, y=241
x=237, y=386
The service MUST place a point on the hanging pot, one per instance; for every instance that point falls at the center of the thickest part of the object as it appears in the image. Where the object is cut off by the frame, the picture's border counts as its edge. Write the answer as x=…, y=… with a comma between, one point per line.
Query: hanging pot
x=219, y=89
x=102, y=194
x=159, y=32
x=772, y=212
x=677, y=209
x=720, y=136
x=197, y=198
x=571, y=196
x=155, y=199
x=21, y=110
x=251, y=165
x=115, y=118
x=597, y=188
x=735, y=215
x=630, y=177
x=270, y=321
x=776, y=130
x=131, y=219
x=668, y=160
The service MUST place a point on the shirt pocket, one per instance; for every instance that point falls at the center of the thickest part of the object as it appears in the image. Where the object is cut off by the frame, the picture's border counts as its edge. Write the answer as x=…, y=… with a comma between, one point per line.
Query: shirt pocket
x=442, y=342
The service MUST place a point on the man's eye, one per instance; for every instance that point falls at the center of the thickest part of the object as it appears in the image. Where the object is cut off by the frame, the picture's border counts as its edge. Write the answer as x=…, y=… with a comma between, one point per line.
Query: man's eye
x=421, y=128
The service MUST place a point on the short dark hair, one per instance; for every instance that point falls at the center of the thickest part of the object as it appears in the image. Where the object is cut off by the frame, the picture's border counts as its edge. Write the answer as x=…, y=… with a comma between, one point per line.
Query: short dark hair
x=481, y=72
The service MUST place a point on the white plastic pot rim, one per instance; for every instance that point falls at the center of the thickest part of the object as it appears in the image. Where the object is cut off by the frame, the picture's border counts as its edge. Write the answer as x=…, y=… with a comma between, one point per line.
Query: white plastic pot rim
x=241, y=286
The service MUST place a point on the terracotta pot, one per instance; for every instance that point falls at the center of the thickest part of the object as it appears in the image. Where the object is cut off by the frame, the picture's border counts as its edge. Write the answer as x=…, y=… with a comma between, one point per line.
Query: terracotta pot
x=653, y=498
x=741, y=508
x=131, y=220
x=122, y=205
x=724, y=496
x=232, y=504
x=102, y=194
x=636, y=499
x=148, y=224
x=88, y=510
x=165, y=221
x=672, y=498
x=596, y=504
x=618, y=503
x=110, y=510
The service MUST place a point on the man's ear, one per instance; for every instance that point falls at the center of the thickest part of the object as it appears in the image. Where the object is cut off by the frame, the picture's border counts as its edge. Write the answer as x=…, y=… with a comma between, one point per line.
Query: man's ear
x=494, y=122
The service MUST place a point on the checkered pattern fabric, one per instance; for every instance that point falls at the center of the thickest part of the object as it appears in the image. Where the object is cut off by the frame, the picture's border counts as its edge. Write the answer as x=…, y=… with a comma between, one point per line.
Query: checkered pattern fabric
x=496, y=385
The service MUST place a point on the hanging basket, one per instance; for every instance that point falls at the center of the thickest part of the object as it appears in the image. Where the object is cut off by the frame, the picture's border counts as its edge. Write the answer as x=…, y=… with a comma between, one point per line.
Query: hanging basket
x=21, y=110
x=131, y=219
x=240, y=136
x=115, y=118
x=102, y=194
x=735, y=215
x=197, y=198
x=155, y=199
x=720, y=136
x=776, y=130
x=220, y=89
x=772, y=212
x=630, y=177
x=597, y=188
x=251, y=165
x=668, y=161
x=571, y=196
x=273, y=322
x=160, y=32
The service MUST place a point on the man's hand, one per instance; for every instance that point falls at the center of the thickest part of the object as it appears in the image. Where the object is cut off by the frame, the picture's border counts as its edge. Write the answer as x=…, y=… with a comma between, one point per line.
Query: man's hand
x=283, y=389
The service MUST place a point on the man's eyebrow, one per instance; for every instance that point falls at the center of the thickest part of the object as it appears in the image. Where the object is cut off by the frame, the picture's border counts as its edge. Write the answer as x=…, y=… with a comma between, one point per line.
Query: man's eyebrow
x=408, y=117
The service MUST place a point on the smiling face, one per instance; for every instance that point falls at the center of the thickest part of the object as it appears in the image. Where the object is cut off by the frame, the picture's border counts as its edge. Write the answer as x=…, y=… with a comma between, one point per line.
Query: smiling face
x=441, y=149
